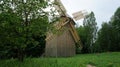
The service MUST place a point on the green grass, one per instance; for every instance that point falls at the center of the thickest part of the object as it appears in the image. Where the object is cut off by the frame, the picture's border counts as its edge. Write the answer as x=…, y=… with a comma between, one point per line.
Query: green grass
x=111, y=59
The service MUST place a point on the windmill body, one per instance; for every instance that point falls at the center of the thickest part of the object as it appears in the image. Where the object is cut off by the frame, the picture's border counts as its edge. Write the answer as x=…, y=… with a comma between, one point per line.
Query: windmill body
x=62, y=43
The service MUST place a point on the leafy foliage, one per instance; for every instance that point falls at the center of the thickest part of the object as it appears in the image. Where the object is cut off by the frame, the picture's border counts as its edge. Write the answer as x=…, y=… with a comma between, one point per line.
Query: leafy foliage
x=88, y=33
x=107, y=38
x=115, y=22
x=109, y=34
x=22, y=24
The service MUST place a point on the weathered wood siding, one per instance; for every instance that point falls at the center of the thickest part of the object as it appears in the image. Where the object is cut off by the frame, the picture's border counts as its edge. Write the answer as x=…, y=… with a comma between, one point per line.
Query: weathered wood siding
x=65, y=45
x=61, y=45
x=51, y=47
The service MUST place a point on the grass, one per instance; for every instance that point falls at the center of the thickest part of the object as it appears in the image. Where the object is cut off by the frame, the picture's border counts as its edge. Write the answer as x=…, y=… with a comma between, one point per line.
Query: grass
x=111, y=59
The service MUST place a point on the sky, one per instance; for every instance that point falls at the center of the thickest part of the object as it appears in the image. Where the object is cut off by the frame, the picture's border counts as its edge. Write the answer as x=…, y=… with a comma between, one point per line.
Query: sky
x=103, y=9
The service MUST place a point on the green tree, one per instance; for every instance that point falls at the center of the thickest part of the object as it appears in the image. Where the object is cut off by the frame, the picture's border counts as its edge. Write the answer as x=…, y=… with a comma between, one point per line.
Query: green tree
x=90, y=26
x=109, y=34
x=115, y=22
x=81, y=33
x=105, y=38
x=8, y=32
x=20, y=21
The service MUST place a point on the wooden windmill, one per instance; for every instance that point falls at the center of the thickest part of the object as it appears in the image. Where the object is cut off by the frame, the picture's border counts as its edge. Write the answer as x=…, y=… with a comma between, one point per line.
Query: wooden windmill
x=62, y=44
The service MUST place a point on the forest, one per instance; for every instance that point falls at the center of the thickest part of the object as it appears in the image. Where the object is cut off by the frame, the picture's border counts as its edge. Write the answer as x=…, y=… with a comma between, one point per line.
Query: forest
x=104, y=39
x=23, y=30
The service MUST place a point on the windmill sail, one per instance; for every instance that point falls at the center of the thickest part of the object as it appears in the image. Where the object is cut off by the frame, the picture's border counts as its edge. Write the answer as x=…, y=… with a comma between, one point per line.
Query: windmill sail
x=79, y=15
x=60, y=8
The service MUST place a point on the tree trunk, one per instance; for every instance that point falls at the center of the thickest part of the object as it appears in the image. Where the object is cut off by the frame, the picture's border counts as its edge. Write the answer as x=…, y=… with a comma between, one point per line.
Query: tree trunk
x=20, y=55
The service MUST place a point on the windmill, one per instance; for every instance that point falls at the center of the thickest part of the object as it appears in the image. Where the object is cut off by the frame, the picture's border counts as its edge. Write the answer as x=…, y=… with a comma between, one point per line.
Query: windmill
x=63, y=44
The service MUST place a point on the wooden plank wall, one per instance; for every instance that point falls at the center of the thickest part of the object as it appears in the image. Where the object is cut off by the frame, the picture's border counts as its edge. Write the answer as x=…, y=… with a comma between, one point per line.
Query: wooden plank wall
x=65, y=45
x=61, y=46
x=51, y=47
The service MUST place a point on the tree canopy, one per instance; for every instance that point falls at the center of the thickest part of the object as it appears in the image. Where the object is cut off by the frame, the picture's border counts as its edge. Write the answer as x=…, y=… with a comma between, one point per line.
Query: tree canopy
x=22, y=23
x=88, y=32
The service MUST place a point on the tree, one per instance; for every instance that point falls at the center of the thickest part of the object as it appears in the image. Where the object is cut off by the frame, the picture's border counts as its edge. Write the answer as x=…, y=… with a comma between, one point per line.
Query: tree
x=23, y=22
x=115, y=22
x=7, y=32
x=90, y=26
x=104, y=40
x=81, y=33
x=109, y=34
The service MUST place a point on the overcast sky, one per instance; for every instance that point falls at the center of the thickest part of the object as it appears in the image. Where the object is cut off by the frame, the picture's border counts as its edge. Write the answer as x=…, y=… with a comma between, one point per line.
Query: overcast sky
x=103, y=9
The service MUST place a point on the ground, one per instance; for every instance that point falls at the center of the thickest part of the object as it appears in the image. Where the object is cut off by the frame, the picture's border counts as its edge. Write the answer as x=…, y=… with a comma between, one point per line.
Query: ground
x=108, y=59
